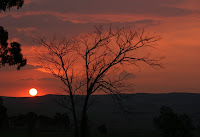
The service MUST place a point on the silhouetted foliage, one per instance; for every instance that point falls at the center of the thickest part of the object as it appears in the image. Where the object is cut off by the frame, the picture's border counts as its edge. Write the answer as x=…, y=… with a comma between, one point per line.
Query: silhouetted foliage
x=7, y=4
x=171, y=124
x=3, y=116
x=10, y=55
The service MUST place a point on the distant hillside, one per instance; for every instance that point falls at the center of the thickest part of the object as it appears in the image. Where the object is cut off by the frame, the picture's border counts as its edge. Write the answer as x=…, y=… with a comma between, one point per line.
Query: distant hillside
x=142, y=108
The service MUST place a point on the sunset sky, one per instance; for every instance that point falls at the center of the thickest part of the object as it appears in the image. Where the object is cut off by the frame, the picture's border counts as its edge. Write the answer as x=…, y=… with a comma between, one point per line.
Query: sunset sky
x=177, y=21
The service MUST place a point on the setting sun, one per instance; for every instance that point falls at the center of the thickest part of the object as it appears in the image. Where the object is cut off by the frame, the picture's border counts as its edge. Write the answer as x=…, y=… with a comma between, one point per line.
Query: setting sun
x=33, y=92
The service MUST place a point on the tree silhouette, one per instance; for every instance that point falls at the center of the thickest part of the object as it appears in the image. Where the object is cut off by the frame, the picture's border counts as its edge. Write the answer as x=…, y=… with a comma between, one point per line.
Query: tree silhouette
x=7, y=4
x=10, y=53
x=94, y=62
x=171, y=124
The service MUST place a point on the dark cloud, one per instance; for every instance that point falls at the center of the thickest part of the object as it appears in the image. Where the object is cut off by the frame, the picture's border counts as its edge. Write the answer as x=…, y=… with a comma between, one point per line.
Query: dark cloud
x=26, y=79
x=128, y=75
x=47, y=79
x=26, y=28
x=40, y=24
x=125, y=75
x=14, y=68
x=154, y=7
x=144, y=23
x=29, y=66
x=38, y=18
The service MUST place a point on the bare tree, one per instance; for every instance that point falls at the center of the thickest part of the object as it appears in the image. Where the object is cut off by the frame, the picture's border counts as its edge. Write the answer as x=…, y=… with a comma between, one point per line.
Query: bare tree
x=90, y=63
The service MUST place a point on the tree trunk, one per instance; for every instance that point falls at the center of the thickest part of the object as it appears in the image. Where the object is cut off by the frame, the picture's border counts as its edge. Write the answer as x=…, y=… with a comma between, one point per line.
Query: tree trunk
x=76, y=124
x=84, y=126
x=74, y=116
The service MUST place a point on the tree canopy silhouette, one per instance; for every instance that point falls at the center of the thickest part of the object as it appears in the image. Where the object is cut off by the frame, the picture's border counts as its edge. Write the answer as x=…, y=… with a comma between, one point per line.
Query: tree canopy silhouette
x=7, y=4
x=94, y=62
x=171, y=124
x=10, y=53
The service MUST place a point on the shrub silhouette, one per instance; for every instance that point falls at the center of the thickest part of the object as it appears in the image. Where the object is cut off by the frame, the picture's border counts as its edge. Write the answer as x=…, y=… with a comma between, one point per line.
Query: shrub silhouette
x=171, y=124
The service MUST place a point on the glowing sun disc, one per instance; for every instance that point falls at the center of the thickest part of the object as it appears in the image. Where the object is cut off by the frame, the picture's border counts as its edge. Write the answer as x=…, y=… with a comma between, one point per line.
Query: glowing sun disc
x=33, y=91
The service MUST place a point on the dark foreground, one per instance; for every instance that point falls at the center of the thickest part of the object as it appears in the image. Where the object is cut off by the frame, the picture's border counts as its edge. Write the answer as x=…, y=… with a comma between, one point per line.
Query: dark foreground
x=137, y=121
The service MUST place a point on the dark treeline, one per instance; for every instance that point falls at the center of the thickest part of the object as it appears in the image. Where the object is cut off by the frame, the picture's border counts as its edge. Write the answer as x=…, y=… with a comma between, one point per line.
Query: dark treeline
x=168, y=123
x=32, y=122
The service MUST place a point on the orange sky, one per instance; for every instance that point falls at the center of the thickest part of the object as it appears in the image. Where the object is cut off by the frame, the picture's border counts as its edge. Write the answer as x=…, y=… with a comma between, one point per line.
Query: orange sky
x=178, y=22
